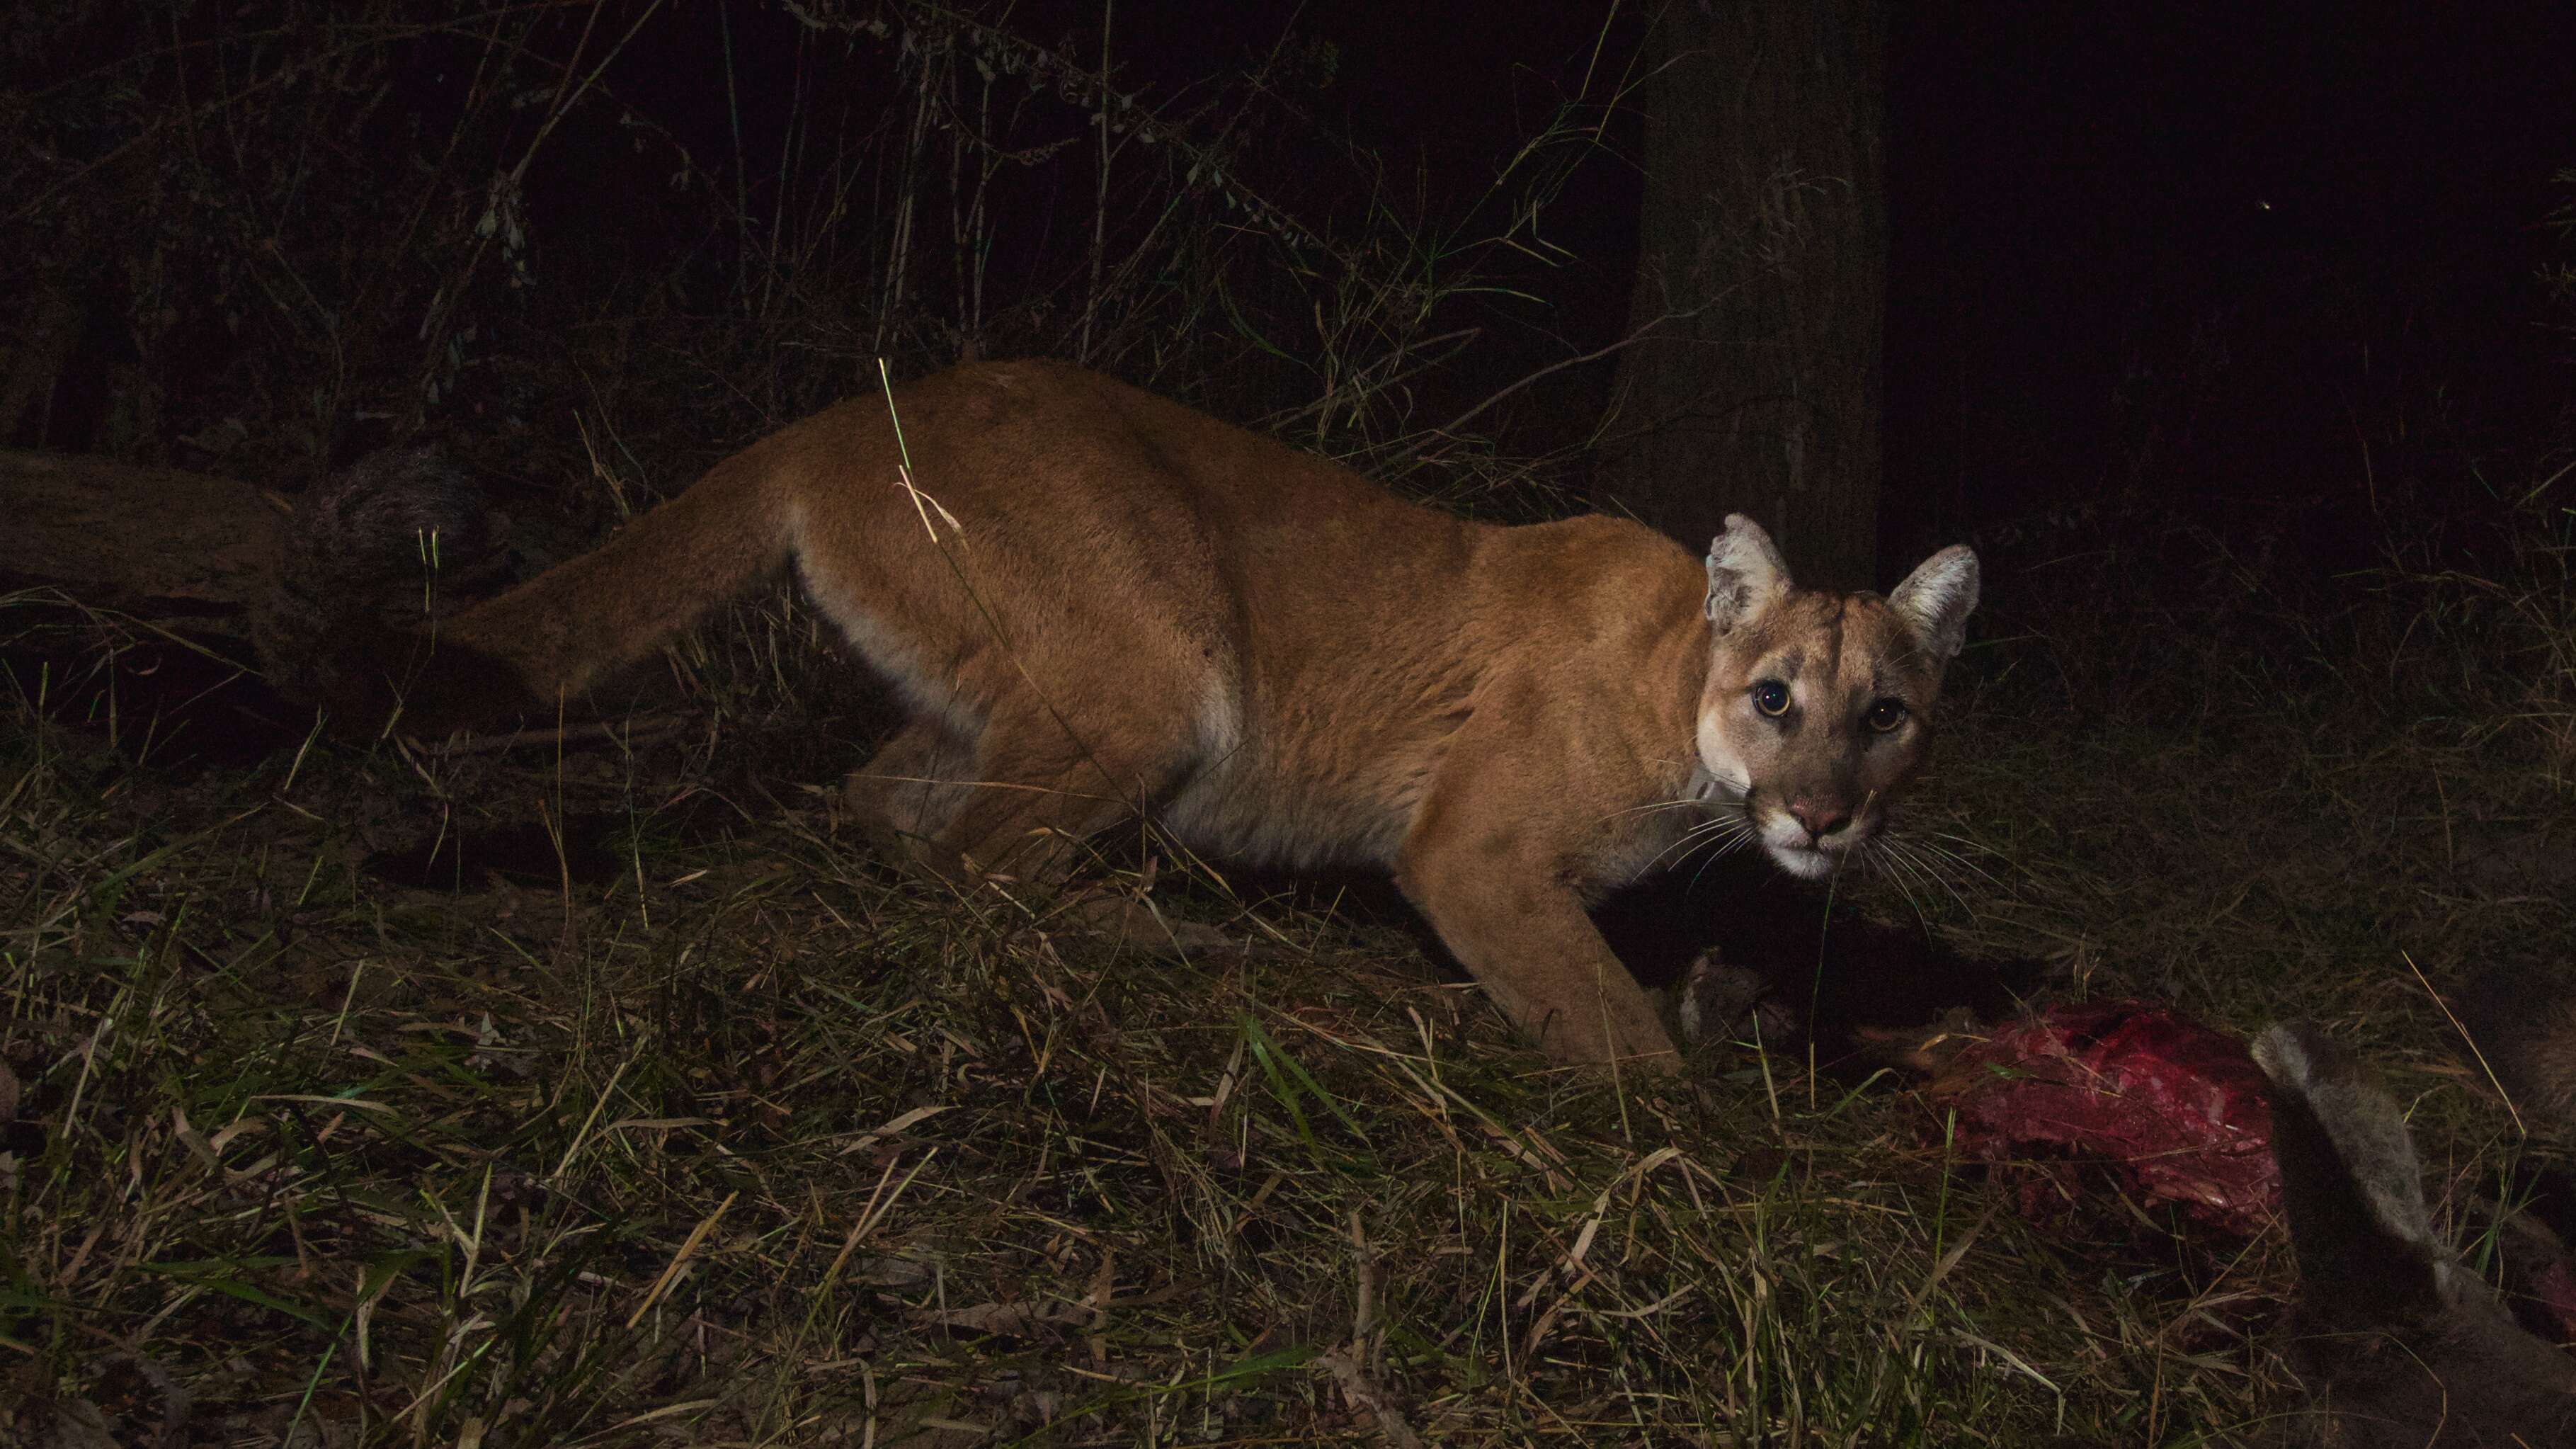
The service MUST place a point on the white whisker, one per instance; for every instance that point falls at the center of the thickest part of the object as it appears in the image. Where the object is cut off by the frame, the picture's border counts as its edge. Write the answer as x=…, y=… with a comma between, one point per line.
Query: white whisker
x=1927, y=869
x=1723, y=847
x=1892, y=866
x=1955, y=858
x=1719, y=827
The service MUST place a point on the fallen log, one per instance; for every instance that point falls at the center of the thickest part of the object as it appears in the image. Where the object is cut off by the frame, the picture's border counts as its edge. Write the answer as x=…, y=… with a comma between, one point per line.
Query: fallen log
x=156, y=542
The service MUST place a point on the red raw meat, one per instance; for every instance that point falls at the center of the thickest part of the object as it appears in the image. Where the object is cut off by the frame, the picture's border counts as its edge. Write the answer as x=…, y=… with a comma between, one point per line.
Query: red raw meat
x=2174, y=1107
x=2554, y=1288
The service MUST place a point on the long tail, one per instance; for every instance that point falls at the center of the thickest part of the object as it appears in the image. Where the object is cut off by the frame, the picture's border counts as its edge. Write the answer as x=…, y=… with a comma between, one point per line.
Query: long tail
x=358, y=544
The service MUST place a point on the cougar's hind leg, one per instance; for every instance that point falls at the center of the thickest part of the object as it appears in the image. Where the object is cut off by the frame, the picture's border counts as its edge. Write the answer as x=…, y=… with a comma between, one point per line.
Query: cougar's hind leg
x=1043, y=788
x=1041, y=784
x=907, y=794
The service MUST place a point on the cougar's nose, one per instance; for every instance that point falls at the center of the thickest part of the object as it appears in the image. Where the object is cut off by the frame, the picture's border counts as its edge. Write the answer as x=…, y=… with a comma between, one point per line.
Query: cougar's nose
x=1820, y=817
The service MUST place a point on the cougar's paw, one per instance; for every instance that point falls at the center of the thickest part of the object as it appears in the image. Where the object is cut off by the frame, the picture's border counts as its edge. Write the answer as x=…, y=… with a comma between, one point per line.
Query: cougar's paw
x=1718, y=1002
x=1128, y=924
x=921, y=858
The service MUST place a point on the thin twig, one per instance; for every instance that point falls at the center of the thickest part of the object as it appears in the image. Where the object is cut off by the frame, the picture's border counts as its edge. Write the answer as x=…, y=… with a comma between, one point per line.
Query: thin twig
x=626, y=731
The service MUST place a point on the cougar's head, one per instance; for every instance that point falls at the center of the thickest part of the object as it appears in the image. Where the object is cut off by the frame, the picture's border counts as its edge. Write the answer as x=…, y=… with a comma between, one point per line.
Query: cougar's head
x=1818, y=706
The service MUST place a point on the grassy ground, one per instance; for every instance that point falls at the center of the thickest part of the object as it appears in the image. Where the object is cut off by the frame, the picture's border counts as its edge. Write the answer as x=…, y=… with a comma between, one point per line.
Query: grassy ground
x=689, y=1124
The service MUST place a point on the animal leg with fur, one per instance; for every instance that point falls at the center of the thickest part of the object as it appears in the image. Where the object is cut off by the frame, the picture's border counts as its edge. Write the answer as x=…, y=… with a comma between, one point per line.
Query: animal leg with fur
x=2400, y=1345
x=1537, y=953
x=1502, y=904
x=926, y=803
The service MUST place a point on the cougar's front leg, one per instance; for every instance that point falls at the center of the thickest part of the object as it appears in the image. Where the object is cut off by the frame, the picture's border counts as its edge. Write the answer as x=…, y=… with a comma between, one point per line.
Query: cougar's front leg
x=1514, y=923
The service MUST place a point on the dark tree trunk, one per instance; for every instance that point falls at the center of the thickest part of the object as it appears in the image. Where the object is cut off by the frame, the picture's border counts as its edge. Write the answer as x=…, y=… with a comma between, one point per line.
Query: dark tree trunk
x=1763, y=271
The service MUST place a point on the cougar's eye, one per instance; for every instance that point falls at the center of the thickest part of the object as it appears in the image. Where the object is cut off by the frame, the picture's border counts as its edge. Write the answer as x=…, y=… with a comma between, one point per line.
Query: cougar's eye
x=1771, y=697
x=1885, y=715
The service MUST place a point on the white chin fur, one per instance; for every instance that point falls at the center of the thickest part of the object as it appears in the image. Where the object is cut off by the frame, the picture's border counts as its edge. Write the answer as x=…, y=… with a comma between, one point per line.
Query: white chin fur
x=1803, y=861
x=1785, y=841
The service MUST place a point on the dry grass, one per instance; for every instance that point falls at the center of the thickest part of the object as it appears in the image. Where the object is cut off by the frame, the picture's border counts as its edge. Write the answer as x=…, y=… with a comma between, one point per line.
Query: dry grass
x=706, y=1129
x=697, y=1127
x=670, y=1116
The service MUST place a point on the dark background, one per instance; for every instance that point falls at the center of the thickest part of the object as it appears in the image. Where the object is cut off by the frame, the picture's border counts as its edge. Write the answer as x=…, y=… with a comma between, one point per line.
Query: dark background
x=2240, y=255
x=2220, y=250
x=2275, y=261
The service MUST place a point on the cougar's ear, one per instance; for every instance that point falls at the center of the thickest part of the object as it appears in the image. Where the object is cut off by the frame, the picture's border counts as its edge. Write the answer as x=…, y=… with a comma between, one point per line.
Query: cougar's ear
x=1745, y=573
x=1937, y=598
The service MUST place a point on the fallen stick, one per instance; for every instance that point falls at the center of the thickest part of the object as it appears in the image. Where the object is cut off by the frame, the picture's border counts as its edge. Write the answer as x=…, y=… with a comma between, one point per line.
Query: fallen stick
x=627, y=732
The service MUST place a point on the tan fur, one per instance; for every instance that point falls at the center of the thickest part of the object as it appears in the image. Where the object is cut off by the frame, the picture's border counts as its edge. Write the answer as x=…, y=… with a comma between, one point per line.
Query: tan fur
x=1101, y=603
